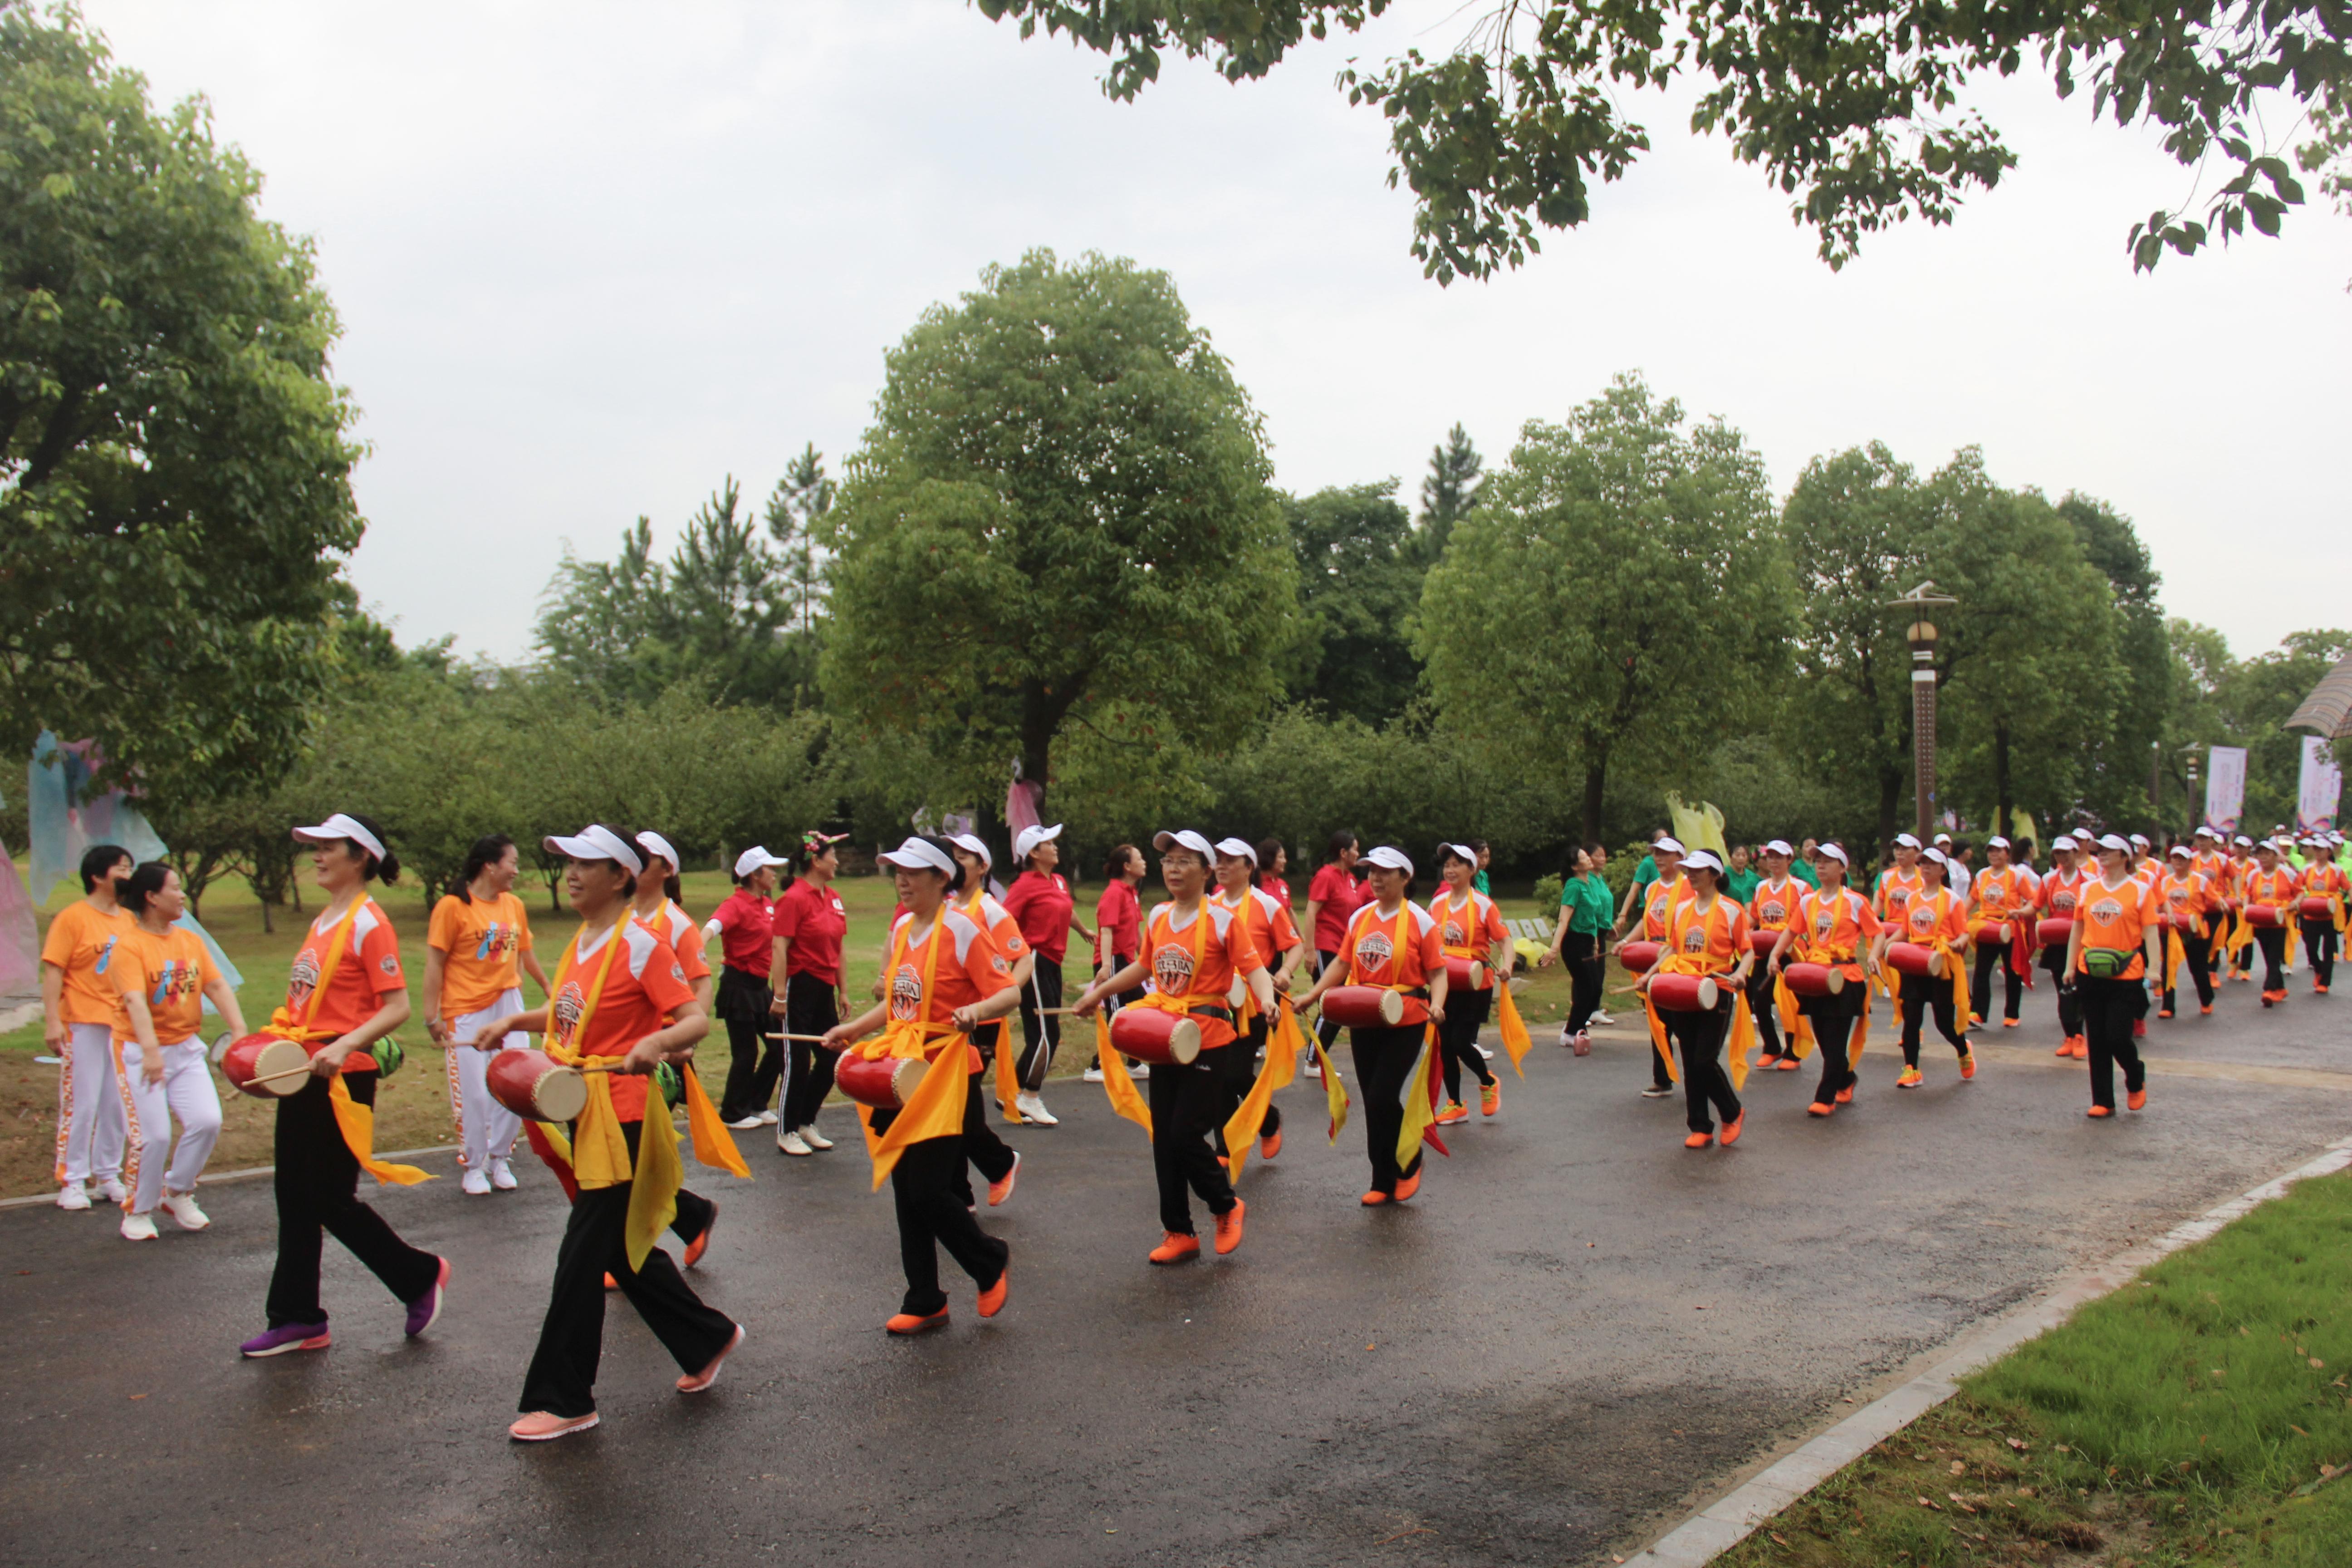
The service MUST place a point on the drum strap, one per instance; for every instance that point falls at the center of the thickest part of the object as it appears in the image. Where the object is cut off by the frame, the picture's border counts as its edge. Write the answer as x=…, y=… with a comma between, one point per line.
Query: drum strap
x=355, y=1122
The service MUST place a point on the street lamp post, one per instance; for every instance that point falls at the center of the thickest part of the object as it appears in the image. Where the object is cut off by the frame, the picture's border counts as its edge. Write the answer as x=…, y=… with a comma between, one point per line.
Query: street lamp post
x=1921, y=635
x=2196, y=801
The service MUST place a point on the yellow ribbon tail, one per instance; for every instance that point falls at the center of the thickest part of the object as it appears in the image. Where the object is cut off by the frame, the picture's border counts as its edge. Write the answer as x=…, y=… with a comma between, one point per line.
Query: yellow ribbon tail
x=713, y=1144
x=1861, y=1034
x=357, y=1124
x=866, y=1126
x=1335, y=1093
x=935, y=1111
x=1743, y=1038
x=1281, y=1067
x=1118, y=1082
x=1515, y=1039
x=1960, y=1003
x=1419, y=1116
x=654, y=1186
x=1784, y=1002
x=1658, y=1041
x=1008, y=1076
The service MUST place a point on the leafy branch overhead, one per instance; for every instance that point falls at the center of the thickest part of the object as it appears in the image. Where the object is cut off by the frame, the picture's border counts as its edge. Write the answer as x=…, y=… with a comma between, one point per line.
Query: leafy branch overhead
x=1856, y=110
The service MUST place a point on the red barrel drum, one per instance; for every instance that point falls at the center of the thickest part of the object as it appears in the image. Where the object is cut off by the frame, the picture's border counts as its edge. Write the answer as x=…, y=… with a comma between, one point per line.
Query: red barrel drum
x=2262, y=915
x=1813, y=979
x=1993, y=932
x=2317, y=908
x=1763, y=942
x=1682, y=992
x=882, y=1083
x=536, y=1087
x=1639, y=957
x=1155, y=1036
x=1465, y=975
x=1364, y=1007
x=266, y=1056
x=1910, y=958
x=2054, y=933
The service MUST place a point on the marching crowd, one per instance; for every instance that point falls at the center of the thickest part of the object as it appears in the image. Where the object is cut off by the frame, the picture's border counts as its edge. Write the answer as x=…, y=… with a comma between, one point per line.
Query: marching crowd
x=1776, y=952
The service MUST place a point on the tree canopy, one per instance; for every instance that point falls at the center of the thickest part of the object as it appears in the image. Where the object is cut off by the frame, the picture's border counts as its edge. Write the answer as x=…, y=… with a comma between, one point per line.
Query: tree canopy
x=1360, y=575
x=175, y=501
x=1858, y=112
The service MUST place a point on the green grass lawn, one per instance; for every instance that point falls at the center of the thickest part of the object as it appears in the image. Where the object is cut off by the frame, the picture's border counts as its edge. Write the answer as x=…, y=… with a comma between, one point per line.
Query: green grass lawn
x=2199, y=1414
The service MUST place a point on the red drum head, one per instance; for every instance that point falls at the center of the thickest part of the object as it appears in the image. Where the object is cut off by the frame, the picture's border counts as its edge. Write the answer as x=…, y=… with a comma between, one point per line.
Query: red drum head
x=2054, y=933
x=1465, y=975
x=1995, y=933
x=2319, y=908
x=1813, y=979
x=536, y=1087
x=1364, y=1007
x=882, y=1083
x=265, y=1056
x=2262, y=915
x=1638, y=957
x=1764, y=942
x=1682, y=992
x=1910, y=958
x=1150, y=1035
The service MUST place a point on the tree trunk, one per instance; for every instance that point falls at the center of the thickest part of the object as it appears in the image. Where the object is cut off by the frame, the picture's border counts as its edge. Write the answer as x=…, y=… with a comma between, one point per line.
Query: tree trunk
x=1596, y=774
x=2001, y=804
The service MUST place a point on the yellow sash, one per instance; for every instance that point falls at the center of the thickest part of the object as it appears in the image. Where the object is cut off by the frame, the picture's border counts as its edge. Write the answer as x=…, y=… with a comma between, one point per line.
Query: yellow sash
x=1516, y=1041
x=1008, y=1072
x=936, y=1108
x=1282, y=1048
x=1118, y=1082
x=1420, y=1115
x=355, y=1122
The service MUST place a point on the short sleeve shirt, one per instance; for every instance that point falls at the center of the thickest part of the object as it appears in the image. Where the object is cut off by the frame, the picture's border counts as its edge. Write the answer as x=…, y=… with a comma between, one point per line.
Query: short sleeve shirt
x=2117, y=920
x=1200, y=956
x=81, y=943
x=1118, y=921
x=170, y=972
x=482, y=941
x=1337, y=894
x=368, y=971
x=814, y=921
x=1400, y=952
x=969, y=969
x=1041, y=902
x=746, y=933
x=675, y=927
x=1470, y=929
x=644, y=988
x=1770, y=907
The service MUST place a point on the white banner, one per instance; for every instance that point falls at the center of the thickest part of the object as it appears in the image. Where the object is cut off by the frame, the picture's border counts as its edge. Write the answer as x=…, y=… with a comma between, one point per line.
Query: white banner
x=2321, y=787
x=2225, y=788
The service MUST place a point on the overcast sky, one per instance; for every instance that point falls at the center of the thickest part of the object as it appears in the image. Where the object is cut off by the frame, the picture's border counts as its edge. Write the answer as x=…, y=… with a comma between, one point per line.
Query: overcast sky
x=592, y=258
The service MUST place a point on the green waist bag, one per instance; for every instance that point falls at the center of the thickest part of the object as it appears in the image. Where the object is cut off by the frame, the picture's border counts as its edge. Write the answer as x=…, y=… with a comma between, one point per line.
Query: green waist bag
x=388, y=1056
x=2104, y=963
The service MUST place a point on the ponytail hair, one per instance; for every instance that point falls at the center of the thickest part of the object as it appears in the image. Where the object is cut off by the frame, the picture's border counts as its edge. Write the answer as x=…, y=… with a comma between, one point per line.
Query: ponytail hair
x=1339, y=843
x=488, y=851
x=1116, y=867
x=145, y=884
x=385, y=870
x=960, y=877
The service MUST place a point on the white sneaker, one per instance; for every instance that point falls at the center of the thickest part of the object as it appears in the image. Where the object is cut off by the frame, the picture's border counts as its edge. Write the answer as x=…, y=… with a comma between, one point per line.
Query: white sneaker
x=501, y=1177
x=1485, y=1052
x=1315, y=1068
x=182, y=1208
x=1566, y=1039
x=1092, y=1075
x=1033, y=1110
x=114, y=1190
x=73, y=1195
x=743, y=1122
x=138, y=1228
x=477, y=1185
x=791, y=1143
x=815, y=1138
x=769, y=1118
x=1601, y=1017
x=1140, y=1072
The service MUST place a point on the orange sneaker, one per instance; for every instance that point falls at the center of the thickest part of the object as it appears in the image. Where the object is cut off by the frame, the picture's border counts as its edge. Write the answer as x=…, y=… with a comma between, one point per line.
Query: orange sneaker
x=1786, y=1064
x=701, y=1244
x=1229, y=1228
x=2207, y=1009
x=1374, y=1198
x=2065, y=1048
x=1912, y=1078
x=1968, y=1065
x=992, y=1301
x=1490, y=1097
x=1975, y=1020
x=1000, y=1191
x=917, y=1323
x=1733, y=1128
x=1175, y=1248
x=2163, y=1011
x=1819, y=1108
x=1407, y=1186
x=1845, y=1095
x=2100, y=1112
x=1699, y=1140
x=1451, y=1114
x=2082, y=1047
x=611, y=1283
x=2137, y=1098
x=2010, y=1023
x=1270, y=1145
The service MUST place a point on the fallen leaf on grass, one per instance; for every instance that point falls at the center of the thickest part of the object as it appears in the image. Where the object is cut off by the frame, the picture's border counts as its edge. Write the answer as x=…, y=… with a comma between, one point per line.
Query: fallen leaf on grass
x=2296, y=1431
x=1959, y=1466
x=1936, y=1506
x=2019, y=1444
x=2316, y=1363
x=1961, y=1501
x=1776, y=1538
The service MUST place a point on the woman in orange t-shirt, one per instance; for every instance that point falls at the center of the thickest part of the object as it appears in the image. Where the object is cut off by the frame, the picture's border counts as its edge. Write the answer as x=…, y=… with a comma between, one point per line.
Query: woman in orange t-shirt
x=2183, y=890
x=1931, y=915
x=344, y=993
x=1707, y=934
x=1468, y=926
x=477, y=950
x=2054, y=900
x=2277, y=886
x=2112, y=956
x=1833, y=926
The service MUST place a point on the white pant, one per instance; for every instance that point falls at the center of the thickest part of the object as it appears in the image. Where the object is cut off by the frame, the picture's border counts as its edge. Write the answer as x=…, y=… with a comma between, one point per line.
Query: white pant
x=89, y=1124
x=487, y=1131
x=185, y=1092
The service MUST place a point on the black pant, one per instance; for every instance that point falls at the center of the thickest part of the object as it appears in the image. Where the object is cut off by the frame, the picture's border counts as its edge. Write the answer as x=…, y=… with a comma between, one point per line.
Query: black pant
x=563, y=1376
x=1698, y=1039
x=1186, y=1103
x=1760, y=1007
x=1325, y=1029
x=1041, y=1036
x=1457, y=1037
x=983, y=1151
x=1920, y=993
x=1587, y=963
x=1980, y=984
x=2110, y=1008
x=1384, y=1059
x=2199, y=973
x=2271, y=940
x=931, y=1215
x=751, y=1072
x=318, y=1181
x=1833, y=1018
x=2070, y=1000
x=810, y=1008
x=2319, y=948
x=1239, y=1078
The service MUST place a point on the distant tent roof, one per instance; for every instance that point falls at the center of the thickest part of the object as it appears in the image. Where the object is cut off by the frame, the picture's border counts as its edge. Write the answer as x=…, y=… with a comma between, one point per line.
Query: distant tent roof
x=2328, y=708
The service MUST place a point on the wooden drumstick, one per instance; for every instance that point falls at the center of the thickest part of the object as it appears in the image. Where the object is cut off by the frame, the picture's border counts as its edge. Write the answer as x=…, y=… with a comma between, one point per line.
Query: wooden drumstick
x=818, y=1039
x=303, y=1071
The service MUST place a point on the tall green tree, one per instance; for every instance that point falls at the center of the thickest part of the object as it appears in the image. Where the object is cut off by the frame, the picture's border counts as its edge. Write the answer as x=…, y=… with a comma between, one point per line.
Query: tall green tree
x=795, y=514
x=1449, y=490
x=1060, y=521
x=2119, y=767
x=1618, y=596
x=176, y=459
x=1358, y=588
x=1855, y=110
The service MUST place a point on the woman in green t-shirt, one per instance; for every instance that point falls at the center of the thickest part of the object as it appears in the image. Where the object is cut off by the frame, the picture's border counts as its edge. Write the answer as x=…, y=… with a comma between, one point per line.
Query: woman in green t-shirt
x=1586, y=914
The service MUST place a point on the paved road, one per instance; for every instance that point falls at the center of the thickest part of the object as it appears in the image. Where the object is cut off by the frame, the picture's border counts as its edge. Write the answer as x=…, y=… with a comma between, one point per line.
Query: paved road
x=1575, y=1330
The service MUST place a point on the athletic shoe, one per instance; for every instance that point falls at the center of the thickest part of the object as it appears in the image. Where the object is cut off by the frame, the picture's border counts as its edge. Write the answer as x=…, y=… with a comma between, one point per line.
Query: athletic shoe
x=611, y=1283
x=1699, y=1140
x=1818, y=1108
x=1968, y=1066
x=1656, y=1091
x=1270, y=1145
x=1033, y=1110
x=695, y=1383
x=138, y=1228
x=1407, y=1186
x=1584, y=1042
x=769, y=1118
x=2082, y=1047
x=182, y=1208
x=2163, y=1011
x=2206, y=1010
x=2266, y=1000
x=917, y=1323
x=1786, y=1064
x=73, y=1195
x=426, y=1309
x=292, y=1337
x=701, y=1244
x=1229, y=1227
x=2065, y=1048
x=1175, y=1248
x=992, y=1301
x=1373, y=1199
x=1092, y=1075
x=1912, y=1078
x=2317, y=989
x=1601, y=1017
x=1769, y=1059
x=1733, y=1128
x=1315, y=1068
x=1140, y=1071
x=1485, y=1052
x=501, y=1176
x=2100, y=1112
x=539, y=1427
x=745, y=1123
x=114, y=1191
x=1490, y=1099
x=1451, y=1114
x=2009, y=1023
x=1000, y=1191
x=477, y=1185
x=815, y=1138
x=1566, y=1039
x=794, y=1143
x=2136, y=1097
x=1975, y=1020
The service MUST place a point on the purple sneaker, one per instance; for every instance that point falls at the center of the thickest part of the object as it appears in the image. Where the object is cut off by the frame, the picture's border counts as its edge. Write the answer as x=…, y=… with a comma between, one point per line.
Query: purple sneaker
x=426, y=1308
x=292, y=1337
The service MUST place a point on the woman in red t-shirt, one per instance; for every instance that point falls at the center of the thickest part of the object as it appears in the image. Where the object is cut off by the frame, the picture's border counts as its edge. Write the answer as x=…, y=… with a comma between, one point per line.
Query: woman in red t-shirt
x=1331, y=902
x=745, y=925
x=1041, y=900
x=621, y=1004
x=1273, y=860
x=1119, y=932
x=810, y=923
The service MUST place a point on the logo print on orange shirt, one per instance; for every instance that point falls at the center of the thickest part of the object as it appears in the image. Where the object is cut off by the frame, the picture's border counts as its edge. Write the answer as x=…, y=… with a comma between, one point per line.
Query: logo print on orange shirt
x=1171, y=968
x=568, y=1005
x=2106, y=910
x=1695, y=939
x=303, y=980
x=1772, y=912
x=2062, y=901
x=906, y=994
x=1453, y=937
x=1824, y=923
x=1373, y=952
